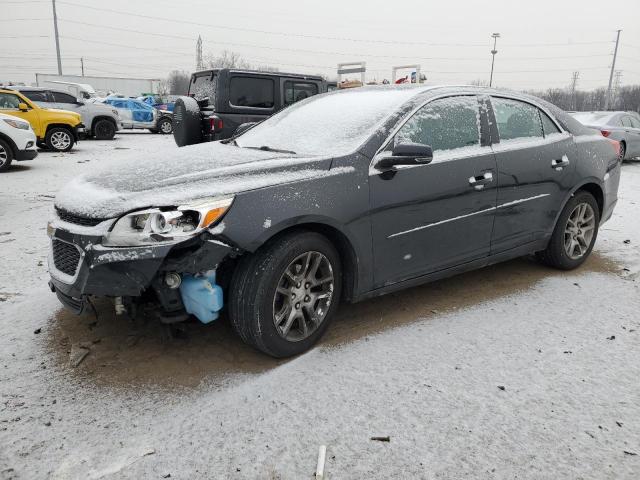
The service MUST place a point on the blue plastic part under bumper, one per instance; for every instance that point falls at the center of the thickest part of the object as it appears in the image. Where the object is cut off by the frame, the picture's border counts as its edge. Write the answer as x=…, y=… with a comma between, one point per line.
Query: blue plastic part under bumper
x=201, y=296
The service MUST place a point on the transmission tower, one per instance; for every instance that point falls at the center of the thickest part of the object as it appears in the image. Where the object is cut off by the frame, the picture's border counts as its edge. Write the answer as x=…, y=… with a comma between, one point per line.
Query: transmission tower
x=199, y=65
x=574, y=85
x=617, y=80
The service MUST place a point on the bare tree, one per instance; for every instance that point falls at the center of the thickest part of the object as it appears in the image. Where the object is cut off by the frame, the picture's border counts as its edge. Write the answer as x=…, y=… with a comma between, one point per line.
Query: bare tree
x=178, y=82
x=226, y=60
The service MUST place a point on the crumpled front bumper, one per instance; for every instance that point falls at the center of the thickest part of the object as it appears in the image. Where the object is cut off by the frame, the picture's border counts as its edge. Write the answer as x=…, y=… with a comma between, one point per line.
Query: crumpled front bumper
x=122, y=271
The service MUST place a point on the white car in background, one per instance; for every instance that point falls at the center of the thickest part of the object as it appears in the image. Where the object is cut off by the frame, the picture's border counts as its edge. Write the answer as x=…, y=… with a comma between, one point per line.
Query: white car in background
x=17, y=141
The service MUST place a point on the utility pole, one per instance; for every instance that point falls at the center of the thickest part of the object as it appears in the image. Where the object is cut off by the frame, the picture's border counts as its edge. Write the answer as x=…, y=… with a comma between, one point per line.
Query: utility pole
x=82, y=65
x=574, y=85
x=493, y=55
x=55, y=28
x=199, y=65
x=613, y=66
x=616, y=87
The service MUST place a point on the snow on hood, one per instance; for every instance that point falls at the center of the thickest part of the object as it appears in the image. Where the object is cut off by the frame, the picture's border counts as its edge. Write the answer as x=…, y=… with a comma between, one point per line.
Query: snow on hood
x=171, y=177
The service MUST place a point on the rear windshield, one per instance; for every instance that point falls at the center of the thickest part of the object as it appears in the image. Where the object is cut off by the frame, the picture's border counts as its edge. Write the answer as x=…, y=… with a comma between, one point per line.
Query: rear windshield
x=593, y=118
x=334, y=123
x=203, y=85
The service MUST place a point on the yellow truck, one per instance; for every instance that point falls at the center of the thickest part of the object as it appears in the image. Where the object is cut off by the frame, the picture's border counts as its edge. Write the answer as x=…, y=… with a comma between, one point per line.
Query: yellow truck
x=55, y=129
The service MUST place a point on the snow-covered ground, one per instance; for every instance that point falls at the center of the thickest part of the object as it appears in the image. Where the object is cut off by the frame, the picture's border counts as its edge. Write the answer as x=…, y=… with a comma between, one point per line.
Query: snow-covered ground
x=514, y=371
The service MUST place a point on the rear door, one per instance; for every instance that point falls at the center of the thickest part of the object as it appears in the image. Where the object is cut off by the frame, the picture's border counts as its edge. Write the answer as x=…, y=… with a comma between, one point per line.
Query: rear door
x=535, y=159
x=428, y=217
x=64, y=101
x=124, y=112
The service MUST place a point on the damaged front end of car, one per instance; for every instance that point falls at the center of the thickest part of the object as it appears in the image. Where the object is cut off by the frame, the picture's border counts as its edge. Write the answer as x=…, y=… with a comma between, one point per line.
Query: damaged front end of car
x=168, y=257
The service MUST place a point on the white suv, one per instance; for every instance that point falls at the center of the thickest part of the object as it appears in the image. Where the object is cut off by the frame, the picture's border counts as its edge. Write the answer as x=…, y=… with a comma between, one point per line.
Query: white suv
x=17, y=141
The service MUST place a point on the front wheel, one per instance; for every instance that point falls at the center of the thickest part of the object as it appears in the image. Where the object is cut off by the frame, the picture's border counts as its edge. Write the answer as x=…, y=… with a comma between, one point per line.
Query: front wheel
x=165, y=126
x=283, y=296
x=6, y=156
x=104, y=130
x=575, y=233
x=59, y=139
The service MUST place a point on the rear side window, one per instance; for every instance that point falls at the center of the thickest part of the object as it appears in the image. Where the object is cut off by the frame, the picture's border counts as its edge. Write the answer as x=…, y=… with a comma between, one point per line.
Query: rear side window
x=516, y=119
x=59, y=97
x=626, y=121
x=444, y=124
x=547, y=124
x=251, y=92
x=39, y=96
x=296, y=91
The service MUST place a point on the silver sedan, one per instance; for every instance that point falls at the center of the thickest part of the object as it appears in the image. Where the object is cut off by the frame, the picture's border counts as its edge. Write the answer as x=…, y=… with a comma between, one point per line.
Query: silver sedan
x=621, y=126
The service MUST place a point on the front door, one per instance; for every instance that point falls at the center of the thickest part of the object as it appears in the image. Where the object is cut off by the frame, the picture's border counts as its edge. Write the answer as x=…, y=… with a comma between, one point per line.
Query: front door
x=632, y=130
x=535, y=161
x=432, y=216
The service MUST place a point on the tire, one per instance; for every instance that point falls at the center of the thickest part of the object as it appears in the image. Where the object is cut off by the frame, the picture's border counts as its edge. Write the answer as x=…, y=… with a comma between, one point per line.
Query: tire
x=42, y=145
x=104, y=130
x=256, y=301
x=59, y=139
x=565, y=233
x=623, y=151
x=187, y=128
x=165, y=126
x=6, y=156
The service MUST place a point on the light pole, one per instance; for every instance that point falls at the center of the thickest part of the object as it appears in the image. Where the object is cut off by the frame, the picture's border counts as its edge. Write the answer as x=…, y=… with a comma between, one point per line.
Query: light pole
x=493, y=55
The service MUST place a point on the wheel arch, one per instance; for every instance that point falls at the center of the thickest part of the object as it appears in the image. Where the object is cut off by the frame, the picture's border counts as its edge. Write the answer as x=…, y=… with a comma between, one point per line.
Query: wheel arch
x=12, y=144
x=59, y=125
x=340, y=240
x=97, y=118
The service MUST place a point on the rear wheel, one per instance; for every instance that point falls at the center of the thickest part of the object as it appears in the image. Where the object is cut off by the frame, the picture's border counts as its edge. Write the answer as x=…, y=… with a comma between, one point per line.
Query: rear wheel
x=623, y=151
x=104, y=130
x=59, y=139
x=6, y=156
x=283, y=296
x=575, y=233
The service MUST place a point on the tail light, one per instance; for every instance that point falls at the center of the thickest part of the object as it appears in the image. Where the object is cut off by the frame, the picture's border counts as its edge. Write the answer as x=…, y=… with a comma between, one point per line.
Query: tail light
x=605, y=133
x=216, y=124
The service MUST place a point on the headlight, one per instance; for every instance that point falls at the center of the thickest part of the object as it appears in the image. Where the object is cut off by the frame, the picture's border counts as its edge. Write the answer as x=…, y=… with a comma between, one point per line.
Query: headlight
x=156, y=225
x=17, y=124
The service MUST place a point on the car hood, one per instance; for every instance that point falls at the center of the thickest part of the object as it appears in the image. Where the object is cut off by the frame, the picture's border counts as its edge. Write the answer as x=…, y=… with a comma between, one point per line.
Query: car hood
x=63, y=113
x=175, y=176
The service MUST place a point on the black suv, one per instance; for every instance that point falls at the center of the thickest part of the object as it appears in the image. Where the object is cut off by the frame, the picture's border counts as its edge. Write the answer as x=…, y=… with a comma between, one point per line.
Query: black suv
x=221, y=100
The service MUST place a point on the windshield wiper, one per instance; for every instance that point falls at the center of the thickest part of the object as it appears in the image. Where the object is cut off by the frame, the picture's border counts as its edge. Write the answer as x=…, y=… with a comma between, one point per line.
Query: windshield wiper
x=266, y=148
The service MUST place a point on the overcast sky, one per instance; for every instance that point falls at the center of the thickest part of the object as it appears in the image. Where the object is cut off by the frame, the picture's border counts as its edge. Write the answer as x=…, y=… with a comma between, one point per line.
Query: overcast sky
x=542, y=41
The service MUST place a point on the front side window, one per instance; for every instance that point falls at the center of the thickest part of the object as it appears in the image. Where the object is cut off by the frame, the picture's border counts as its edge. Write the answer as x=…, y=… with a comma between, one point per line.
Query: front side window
x=444, y=124
x=9, y=101
x=36, y=96
x=296, y=91
x=251, y=92
x=626, y=121
x=635, y=123
x=516, y=119
x=60, y=97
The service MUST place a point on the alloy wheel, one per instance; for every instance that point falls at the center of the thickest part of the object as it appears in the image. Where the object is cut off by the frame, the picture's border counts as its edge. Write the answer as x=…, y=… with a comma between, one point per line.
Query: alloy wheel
x=60, y=140
x=303, y=296
x=3, y=156
x=579, y=231
x=166, y=127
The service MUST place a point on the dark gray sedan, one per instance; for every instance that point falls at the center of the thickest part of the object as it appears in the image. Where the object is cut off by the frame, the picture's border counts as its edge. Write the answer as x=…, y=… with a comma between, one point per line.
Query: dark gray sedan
x=343, y=196
x=621, y=126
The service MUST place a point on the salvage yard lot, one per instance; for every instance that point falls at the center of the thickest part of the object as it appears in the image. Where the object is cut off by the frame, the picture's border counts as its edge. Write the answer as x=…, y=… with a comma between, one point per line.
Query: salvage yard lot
x=511, y=371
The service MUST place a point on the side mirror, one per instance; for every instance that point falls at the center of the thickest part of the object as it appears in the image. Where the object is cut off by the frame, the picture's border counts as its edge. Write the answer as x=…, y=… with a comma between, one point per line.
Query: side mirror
x=23, y=107
x=406, y=154
x=243, y=127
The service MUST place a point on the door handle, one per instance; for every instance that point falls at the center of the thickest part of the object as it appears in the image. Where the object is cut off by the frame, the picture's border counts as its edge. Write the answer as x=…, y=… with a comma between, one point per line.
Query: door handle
x=560, y=164
x=479, y=182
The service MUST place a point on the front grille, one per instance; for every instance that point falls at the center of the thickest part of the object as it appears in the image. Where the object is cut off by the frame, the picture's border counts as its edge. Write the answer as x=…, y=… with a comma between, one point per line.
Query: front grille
x=77, y=219
x=66, y=257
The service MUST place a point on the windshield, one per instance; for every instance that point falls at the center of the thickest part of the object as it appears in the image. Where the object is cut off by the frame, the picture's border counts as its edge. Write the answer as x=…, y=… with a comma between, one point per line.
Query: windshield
x=593, y=118
x=203, y=85
x=331, y=124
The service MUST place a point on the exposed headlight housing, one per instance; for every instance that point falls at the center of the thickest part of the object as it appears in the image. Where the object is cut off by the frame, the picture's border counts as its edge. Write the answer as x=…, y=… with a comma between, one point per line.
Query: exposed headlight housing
x=166, y=225
x=17, y=123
